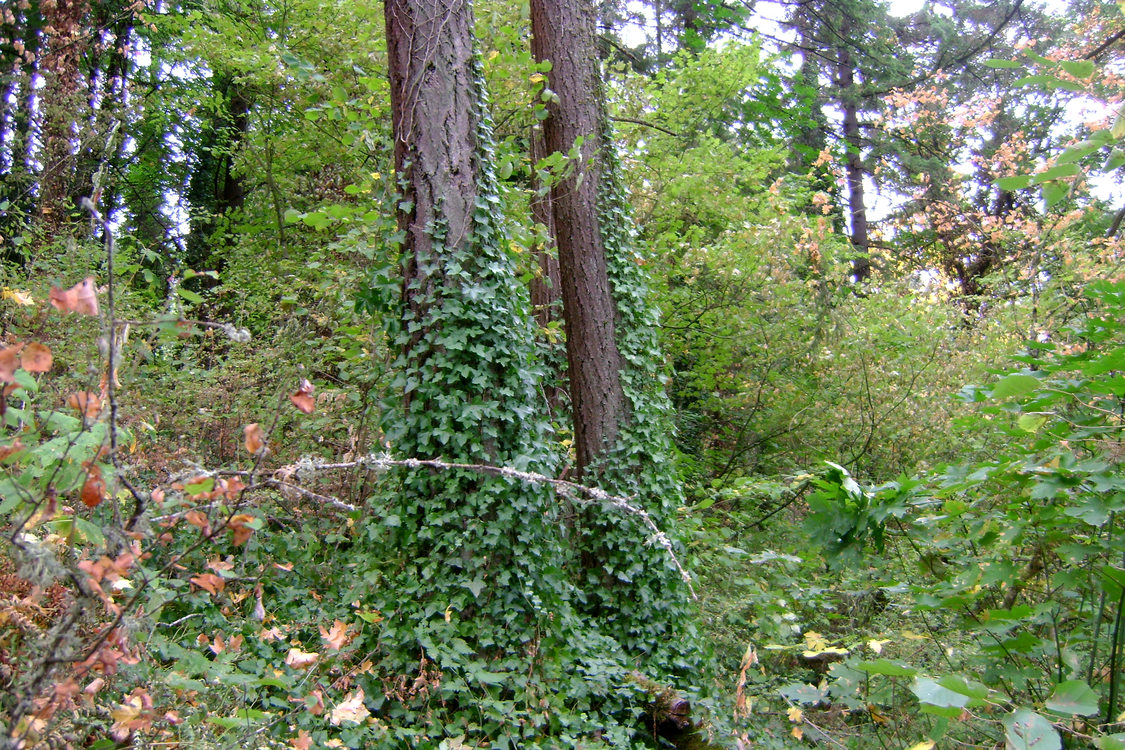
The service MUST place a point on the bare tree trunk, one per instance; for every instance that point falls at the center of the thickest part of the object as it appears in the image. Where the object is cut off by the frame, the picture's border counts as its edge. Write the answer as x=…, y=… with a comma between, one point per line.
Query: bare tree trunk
x=563, y=32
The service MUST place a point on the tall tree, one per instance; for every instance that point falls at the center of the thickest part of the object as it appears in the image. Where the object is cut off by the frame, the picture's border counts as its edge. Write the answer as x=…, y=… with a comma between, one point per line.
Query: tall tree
x=621, y=435
x=483, y=549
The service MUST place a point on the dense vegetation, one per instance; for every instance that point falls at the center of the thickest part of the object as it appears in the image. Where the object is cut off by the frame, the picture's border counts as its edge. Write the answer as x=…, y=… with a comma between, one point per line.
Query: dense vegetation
x=318, y=430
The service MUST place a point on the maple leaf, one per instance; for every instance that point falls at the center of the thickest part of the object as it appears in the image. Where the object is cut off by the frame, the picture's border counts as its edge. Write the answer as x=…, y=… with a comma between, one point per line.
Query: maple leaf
x=209, y=581
x=351, y=709
x=298, y=659
x=303, y=398
x=36, y=358
x=337, y=636
x=82, y=298
x=303, y=740
x=253, y=438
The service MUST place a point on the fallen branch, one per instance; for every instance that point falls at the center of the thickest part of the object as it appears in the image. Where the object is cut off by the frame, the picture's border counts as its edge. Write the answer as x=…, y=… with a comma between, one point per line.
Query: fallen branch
x=578, y=493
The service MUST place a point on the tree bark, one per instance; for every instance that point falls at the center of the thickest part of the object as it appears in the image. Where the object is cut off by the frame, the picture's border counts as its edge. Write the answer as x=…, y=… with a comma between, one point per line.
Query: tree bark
x=563, y=32
x=853, y=140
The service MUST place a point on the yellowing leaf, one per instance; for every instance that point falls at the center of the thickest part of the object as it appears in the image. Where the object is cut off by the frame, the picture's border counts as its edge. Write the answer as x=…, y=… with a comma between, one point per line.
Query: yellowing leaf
x=923, y=745
x=351, y=709
x=876, y=645
x=19, y=296
x=796, y=715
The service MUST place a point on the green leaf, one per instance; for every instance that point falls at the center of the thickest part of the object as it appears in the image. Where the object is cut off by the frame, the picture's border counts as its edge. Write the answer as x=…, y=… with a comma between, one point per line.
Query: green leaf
x=1078, y=68
x=886, y=667
x=1053, y=192
x=1017, y=182
x=476, y=586
x=1078, y=152
x=1058, y=171
x=1032, y=421
x=1112, y=742
x=1006, y=64
x=1016, y=384
x=189, y=295
x=204, y=485
x=1027, y=730
x=1073, y=698
x=976, y=692
x=928, y=691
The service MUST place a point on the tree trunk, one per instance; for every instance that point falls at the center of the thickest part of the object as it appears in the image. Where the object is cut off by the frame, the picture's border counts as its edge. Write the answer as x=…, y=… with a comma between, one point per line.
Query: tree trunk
x=563, y=32
x=853, y=139
x=60, y=103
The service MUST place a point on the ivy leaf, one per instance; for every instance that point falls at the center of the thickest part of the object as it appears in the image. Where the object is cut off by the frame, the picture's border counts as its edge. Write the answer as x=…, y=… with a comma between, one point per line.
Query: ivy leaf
x=1027, y=730
x=1074, y=698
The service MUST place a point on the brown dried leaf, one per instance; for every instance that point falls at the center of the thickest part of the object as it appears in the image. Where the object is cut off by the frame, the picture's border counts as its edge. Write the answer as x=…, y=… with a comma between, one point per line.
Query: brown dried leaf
x=303, y=398
x=9, y=363
x=85, y=402
x=298, y=659
x=254, y=438
x=337, y=636
x=350, y=709
x=36, y=358
x=210, y=582
x=239, y=530
x=82, y=298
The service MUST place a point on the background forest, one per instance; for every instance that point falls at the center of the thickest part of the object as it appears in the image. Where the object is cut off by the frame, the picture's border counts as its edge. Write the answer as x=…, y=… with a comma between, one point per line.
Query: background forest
x=868, y=267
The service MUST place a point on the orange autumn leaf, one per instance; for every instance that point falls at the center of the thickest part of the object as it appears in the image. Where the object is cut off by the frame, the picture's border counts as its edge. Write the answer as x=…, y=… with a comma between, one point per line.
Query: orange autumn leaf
x=253, y=438
x=85, y=402
x=303, y=398
x=82, y=298
x=36, y=358
x=93, y=490
x=210, y=582
x=303, y=740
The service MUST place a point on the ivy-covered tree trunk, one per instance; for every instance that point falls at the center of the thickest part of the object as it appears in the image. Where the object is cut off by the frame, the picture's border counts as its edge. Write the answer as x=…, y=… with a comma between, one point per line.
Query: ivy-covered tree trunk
x=60, y=105
x=622, y=434
x=479, y=551
x=563, y=32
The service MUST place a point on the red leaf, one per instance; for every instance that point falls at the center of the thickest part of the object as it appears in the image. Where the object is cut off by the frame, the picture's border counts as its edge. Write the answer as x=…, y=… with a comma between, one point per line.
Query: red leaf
x=9, y=363
x=253, y=438
x=93, y=490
